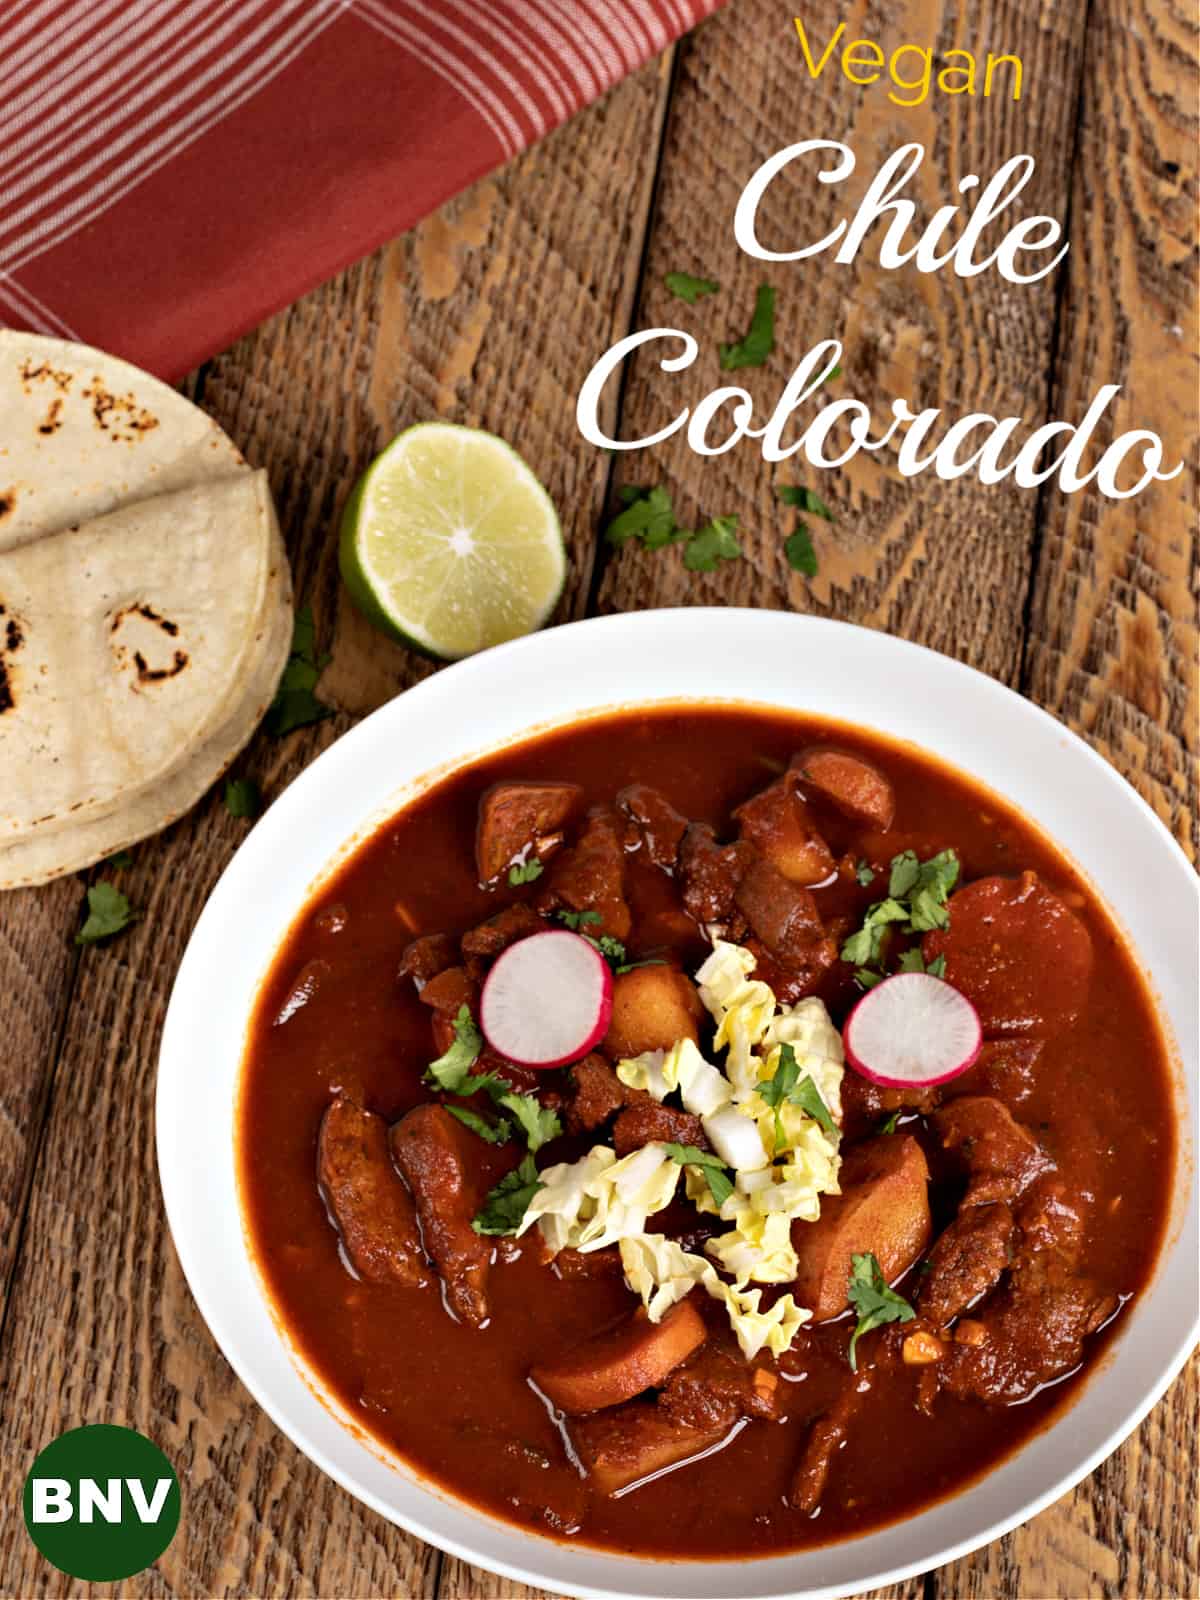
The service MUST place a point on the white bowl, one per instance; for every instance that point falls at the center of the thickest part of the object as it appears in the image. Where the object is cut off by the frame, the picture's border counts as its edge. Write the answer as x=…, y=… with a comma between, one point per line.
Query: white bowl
x=772, y=658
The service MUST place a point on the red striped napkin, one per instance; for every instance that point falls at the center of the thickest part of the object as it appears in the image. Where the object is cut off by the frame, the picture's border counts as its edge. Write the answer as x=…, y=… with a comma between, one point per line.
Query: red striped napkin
x=173, y=171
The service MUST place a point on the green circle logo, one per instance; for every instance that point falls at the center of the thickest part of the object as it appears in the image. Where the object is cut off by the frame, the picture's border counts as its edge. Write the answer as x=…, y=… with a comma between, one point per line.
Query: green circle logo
x=101, y=1503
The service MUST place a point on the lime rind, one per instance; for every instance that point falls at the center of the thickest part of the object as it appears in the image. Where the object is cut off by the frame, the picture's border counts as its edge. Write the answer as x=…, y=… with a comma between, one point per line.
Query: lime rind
x=450, y=544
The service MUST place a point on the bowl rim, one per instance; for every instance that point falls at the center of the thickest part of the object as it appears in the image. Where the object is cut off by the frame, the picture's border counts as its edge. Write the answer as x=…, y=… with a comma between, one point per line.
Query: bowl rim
x=668, y=627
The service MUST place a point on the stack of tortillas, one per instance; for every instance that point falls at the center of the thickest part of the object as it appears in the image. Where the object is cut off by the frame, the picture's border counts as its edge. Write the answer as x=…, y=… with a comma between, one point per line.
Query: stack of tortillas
x=145, y=606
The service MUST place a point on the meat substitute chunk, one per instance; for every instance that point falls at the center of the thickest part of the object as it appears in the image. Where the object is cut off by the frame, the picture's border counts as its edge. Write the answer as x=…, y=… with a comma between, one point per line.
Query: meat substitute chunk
x=514, y=818
x=498, y=932
x=659, y=827
x=826, y=1437
x=865, y=1105
x=649, y=1123
x=1004, y=1068
x=428, y=956
x=604, y=1263
x=854, y=785
x=596, y=1094
x=710, y=873
x=620, y=1447
x=883, y=1208
x=1033, y=1333
x=782, y=914
x=1000, y=1157
x=1050, y=1223
x=777, y=823
x=590, y=876
x=1017, y=953
x=372, y=1209
x=621, y=1362
x=718, y=1387
x=798, y=978
x=433, y=1150
x=652, y=1009
x=966, y=1262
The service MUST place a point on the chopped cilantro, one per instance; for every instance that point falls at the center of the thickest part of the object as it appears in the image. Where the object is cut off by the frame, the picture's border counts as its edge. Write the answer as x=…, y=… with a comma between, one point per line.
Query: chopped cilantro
x=648, y=516
x=889, y=1124
x=108, y=913
x=917, y=895
x=494, y=1132
x=787, y=1087
x=937, y=967
x=538, y=1123
x=804, y=500
x=801, y=557
x=506, y=1205
x=713, y=543
x=242, y=797
x=913, y=961
x=452, y=1070
x=295, y=705
x=863, y=873
x=123, y=858
x=577, y=919
x=632, y=966
x=524, y=872
x=866, y=979
x=759, y=341
x=611, y=949
x=873, y=1300
x=685, y=287
x=716, y=1174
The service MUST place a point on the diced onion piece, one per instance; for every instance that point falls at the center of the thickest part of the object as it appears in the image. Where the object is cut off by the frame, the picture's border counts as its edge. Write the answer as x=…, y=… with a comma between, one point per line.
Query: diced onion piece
x=736, y=1139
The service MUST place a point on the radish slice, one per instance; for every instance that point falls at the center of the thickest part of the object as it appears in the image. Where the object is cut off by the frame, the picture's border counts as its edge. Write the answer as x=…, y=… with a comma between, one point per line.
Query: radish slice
x=913, y=1029
x=547, y=1000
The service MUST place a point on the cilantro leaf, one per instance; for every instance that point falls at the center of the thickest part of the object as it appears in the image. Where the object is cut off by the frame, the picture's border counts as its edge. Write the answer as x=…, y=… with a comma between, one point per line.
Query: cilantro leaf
x=911, y=961
x=873, y=1300
x=889, y=1124
x=906, y=869
x=524, y=872
x=632, y=966
x=108, y=913
x=611, y=949
x=716, y=1174
x=538, y=1123
x=808, y=1097
x=295, y=705
x=787, y=1087
x=453, y=1069
x=863, y=948
x=494, y=1132
x=804, y=500
x=648, y=516
x=759, y=341
x=863, y=873
x=937, y=967
x=866, y=979
x=801, y=556
x=505, y=1206
x=577, y=919
x=711, y=544
x=685, y=287
x=242, y=797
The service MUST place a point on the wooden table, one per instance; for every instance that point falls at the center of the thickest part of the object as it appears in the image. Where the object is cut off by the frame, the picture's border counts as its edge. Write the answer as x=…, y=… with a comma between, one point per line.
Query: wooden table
x=490, y=313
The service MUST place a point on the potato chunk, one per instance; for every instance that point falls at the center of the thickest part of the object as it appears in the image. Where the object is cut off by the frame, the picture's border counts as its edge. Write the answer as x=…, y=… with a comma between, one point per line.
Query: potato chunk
x=621, y=1362
x=652, y=1008
x=619, y=1448
x=883, y=1208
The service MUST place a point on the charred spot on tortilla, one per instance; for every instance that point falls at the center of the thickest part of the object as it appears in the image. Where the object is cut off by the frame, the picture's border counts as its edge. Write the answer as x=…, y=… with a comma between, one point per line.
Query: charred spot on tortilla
x=52, y=421
x=43, y=372
x=171, y=629
x=8, y=502
x=118, y=415
x=148, y=674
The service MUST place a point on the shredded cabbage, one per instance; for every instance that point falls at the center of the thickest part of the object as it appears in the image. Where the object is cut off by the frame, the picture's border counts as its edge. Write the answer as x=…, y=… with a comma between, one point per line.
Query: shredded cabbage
x=662, y=1272
x=702, y=1087
x=593, y=1202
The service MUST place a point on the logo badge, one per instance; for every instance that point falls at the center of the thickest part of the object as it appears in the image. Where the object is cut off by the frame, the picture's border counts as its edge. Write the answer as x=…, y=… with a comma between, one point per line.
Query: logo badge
x=101, y=1503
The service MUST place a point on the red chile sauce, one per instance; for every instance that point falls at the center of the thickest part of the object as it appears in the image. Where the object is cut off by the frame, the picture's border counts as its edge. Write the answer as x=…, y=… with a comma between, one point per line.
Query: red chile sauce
x=454, y=1402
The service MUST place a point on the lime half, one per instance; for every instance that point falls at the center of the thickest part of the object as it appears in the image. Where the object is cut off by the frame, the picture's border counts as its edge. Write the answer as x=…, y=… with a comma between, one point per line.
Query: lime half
x=450, y=544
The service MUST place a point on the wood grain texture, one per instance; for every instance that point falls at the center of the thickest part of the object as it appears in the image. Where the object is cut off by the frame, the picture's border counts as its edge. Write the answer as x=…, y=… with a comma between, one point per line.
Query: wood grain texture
x=939, y=562
x=473, y=316
x=1113, y=642
x=1112, y=651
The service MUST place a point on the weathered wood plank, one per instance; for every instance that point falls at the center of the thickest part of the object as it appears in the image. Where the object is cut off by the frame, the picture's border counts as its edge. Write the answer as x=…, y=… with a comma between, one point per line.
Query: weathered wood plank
x=473, y=316
x=1113, y=642
x=1112, y=651
x=940, y=562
